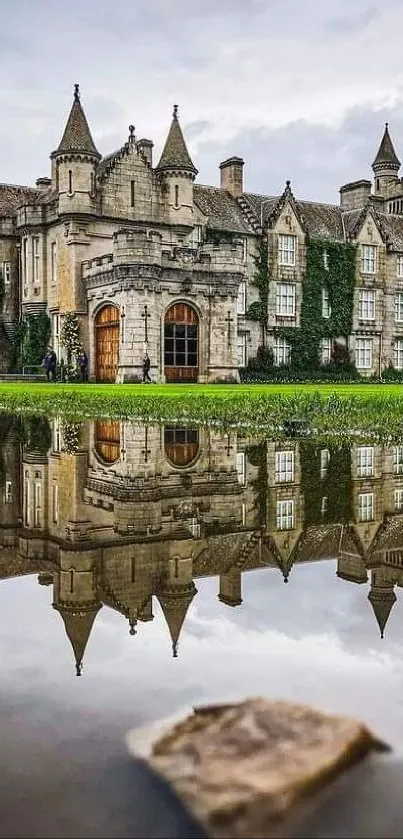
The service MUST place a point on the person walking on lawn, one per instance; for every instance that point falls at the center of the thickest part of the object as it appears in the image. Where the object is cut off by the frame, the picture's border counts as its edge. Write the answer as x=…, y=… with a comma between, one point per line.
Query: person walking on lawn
x=146, y=367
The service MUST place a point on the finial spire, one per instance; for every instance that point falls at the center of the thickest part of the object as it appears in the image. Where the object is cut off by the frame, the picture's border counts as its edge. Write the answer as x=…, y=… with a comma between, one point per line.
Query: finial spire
x=175, y=112
x=175, y=649
x=79, y=668
x=132, y=625
x=77, y=92
x=131, y=133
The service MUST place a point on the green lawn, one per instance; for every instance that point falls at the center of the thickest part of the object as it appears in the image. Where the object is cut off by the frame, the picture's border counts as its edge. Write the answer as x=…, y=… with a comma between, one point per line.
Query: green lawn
x=327, y=409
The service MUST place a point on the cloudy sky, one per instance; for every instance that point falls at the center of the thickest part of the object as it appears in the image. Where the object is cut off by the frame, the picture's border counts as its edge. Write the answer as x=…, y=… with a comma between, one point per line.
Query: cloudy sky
x=299, y=89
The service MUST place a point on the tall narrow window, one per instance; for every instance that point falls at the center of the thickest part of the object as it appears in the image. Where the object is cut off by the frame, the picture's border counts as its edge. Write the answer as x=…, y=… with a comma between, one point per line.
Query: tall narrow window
x=284, y=467
x=366, y=304
x=35, y=259
x=240, y=467
x=132, y=193
x=398, y=354
x=176, y=195
x=55, y=503
x=71, y=581
x=286, y=249
x=400, y=267
x=53, y=257
x=241, y=299
x=70, y=181
x=7, y=273
x=326, y=310
x=38, y=504
x=399, y=307
x=368, y=259
x=241, y=348
x=24, y=260
x=92, y=183
x=285, y=299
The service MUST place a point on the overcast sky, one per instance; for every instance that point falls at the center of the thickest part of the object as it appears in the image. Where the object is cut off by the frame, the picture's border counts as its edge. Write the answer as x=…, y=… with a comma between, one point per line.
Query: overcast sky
x=299, y=89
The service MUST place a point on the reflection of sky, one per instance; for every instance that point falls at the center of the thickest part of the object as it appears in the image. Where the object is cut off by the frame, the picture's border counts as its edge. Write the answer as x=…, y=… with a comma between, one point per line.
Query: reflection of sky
x=315, y=640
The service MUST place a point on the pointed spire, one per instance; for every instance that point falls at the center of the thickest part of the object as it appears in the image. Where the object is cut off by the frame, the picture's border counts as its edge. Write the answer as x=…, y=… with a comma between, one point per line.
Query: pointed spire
x=175, y=602
x=77, y=135
x=175, y=154
x=78, y=624
x=386, y=155
x=382, y=601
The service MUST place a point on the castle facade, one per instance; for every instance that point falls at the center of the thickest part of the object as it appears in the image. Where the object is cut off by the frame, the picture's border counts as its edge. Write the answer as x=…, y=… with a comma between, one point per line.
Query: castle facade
x=147, y=258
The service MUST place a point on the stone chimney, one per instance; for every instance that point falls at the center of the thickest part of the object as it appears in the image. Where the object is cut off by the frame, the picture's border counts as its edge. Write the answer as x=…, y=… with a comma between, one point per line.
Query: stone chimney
x=232, y=176
x=355, y=196
x=43, y=184
x=146, y=148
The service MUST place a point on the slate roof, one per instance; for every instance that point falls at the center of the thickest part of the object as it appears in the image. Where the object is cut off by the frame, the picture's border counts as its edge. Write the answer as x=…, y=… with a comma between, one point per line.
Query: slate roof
x=222, y=210
x=175, y=154
x=386, y=152
x=322, y=220
x=392, y=227
x=12, y=197
x=77, y=135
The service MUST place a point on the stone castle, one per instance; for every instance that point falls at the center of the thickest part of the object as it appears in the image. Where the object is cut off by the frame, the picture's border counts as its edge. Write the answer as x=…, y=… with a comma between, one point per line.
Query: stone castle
x=148, y=258
x=129, y=518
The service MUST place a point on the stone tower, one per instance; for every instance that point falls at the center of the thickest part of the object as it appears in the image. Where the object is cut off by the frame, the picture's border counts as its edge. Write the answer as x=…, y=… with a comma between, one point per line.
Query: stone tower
x=386, y=166
x=74, y=163
x=177, y=174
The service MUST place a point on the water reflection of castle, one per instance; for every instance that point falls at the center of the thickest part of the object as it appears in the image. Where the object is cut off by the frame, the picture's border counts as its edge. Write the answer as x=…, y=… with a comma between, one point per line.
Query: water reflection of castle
x=112, y=514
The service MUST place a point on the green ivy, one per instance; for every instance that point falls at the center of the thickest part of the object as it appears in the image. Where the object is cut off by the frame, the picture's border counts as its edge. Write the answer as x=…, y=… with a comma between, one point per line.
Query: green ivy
x=335, y=485
x=34, y=334
x=257, y=456
x=257, y=311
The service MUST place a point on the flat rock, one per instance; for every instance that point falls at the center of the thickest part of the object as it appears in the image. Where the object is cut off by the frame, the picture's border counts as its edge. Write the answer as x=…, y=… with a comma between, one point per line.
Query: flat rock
x=250, y=769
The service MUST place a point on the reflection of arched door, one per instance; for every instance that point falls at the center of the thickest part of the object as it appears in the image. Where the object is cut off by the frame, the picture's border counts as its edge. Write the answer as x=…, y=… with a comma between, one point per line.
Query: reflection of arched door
x=181, y=344
x=107, y=344
x=107, y=440
x=181, y=445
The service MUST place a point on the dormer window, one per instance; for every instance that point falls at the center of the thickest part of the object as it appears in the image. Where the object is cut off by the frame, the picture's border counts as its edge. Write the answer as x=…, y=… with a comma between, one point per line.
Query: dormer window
x=286, y=250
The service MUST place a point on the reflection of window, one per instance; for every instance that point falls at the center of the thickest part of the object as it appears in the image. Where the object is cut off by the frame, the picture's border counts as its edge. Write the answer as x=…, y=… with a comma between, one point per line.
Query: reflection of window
x=27, y=500
x=7, y=273
x=284, y=466
x=37, y=503
x=55, y=503
x=326, y=348
x=366, y=506
x=35, y=259
x=325, y=260
x=240, y=467
x=398, y=460
x=326, y=310
x=285, y=299
x=323, y=506
x=53, y=257
x=181, y=445
x=285, y=515
x=365, y=461
x=286, y=250
x=400, y=266
x=194, y=528
x=324, y=462
x=399, y=500
x=8, y=492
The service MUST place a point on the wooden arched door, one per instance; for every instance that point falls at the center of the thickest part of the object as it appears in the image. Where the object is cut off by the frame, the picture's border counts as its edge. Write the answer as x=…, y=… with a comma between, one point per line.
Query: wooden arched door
x=107, y=441
x=181, y=343
x=107, y=344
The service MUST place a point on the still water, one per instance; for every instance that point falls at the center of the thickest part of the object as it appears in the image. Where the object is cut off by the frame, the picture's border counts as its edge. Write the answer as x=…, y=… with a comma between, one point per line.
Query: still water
x=147, y=569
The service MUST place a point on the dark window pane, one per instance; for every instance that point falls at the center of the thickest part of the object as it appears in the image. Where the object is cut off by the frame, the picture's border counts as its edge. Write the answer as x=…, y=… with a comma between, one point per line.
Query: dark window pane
x=180, y=435
x=180, y=331
x=192, y=435
x=169, y=330
x=169, y=344
x=192, y=331
x=169, y=359
x=180, y=359
x=192, y=346
x=192, y=360
x=180, y=345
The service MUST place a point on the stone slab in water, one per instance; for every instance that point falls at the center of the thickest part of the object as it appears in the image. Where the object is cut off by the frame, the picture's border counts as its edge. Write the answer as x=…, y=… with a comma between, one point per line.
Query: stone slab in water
x=249, y=769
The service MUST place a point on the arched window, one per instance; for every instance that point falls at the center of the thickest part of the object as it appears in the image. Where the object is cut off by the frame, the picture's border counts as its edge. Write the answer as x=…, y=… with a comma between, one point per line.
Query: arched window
x=181, y=445
x=181, y=343
x=107, y=441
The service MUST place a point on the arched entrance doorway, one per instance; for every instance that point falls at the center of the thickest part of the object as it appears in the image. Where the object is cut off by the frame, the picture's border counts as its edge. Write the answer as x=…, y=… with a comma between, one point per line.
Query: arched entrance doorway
x=107, y=344
x=181, y=343
x=107, y=441
x=181, y=445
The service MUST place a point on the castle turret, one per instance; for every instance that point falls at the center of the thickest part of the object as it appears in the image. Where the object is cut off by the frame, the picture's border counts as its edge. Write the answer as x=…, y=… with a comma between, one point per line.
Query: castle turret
x=382, y=598
x=78, y=623
x=74, y=162
x=178, y=173
x=386, y=166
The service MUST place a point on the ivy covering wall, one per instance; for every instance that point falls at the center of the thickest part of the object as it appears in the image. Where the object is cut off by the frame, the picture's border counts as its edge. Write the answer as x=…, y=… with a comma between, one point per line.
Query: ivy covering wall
x=33, y=337
x=305, y=340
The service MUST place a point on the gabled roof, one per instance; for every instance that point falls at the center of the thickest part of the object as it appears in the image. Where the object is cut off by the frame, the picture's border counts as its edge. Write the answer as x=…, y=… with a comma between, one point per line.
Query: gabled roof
x=321, y=220
x=12, y=197
x=77, y=135
x=175, y=154
x=386, y=153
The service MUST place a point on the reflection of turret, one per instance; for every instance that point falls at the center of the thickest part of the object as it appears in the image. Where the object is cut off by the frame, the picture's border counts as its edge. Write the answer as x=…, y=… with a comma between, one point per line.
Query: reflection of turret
x=382, y=598
x=78, y=623
x=175, y=601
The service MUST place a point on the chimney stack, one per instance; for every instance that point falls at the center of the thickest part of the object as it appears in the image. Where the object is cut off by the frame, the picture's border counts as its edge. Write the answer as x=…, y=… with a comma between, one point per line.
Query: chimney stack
x=146, y=147
x=232, y=176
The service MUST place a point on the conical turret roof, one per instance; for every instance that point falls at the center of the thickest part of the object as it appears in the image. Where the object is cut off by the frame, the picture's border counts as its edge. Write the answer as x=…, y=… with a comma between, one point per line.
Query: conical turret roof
x=382, y=601
x=78, y=624
x=175, y=602
x=77, y=135
x=175, y=154
x=386, y=154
